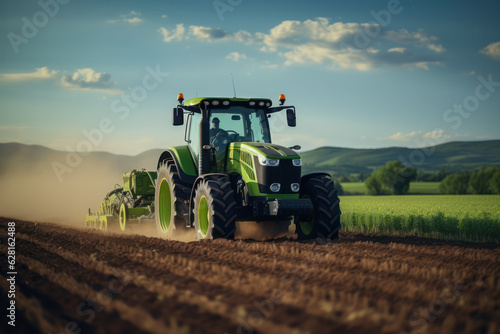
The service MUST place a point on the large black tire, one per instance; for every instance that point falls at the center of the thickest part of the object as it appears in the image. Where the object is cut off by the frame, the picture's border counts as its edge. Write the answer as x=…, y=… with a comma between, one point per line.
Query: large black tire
x=214, y=209
x=325, y=223
x=169, y=206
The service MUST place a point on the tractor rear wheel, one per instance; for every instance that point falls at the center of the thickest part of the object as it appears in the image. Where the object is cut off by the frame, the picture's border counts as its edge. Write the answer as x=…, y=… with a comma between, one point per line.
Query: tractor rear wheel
x=214, y=209
x=168, y=202
x=325, y=222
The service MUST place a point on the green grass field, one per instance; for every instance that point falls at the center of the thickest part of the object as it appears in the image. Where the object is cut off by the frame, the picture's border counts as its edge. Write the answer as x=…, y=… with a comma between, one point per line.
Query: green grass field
x=358, y=188
x=463, y=217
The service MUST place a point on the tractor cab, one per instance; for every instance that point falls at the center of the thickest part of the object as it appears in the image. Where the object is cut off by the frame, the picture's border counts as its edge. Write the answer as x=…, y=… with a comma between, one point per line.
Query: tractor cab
x=214, y=124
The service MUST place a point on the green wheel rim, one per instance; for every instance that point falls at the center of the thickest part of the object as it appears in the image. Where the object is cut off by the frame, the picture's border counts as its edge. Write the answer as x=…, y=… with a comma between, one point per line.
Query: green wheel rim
x=165, y=206
x=203, y=219
x=123, y=217
x=307, y=226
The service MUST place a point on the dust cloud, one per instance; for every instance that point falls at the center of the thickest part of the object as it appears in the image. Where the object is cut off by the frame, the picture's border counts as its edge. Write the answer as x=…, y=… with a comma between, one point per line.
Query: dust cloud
x=32, y=191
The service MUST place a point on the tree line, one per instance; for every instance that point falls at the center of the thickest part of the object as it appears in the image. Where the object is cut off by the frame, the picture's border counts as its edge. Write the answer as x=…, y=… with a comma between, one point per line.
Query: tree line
x=394, y=178
x=483, y=181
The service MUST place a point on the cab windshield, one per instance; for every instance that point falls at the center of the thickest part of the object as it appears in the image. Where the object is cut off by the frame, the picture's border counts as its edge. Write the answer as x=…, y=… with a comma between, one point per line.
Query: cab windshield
x=239, y=124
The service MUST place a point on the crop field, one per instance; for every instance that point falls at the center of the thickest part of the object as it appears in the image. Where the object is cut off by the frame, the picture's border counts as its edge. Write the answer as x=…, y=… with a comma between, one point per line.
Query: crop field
x=359, y=188
x=464, y=217
x=83, y=281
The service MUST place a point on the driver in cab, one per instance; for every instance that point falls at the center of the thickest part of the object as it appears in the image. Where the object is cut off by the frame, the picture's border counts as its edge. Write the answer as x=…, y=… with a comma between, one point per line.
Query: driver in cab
x=215, y=135
x=214, y=131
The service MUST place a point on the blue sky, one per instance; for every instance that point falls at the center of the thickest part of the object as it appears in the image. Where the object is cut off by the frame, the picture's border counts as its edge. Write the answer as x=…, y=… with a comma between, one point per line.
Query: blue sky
x=362, y=74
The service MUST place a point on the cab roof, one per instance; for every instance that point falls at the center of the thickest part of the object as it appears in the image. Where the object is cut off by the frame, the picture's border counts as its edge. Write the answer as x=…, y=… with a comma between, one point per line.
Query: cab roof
x=232, y=101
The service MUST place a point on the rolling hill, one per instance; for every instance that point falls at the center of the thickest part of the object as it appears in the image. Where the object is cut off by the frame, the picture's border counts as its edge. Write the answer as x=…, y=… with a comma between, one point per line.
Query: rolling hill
x=452, y=156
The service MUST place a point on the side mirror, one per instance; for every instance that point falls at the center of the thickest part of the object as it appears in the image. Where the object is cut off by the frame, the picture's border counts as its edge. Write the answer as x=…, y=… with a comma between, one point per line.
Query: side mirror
x=290, y=117
x=178, y=116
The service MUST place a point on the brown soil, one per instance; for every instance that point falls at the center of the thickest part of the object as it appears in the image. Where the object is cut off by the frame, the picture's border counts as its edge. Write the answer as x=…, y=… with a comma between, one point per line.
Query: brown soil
x=84, y=281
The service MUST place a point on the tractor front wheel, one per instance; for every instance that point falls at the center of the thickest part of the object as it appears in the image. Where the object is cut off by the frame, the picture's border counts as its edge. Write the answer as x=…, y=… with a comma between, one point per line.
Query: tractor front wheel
x=325, y=222
x=214, y=209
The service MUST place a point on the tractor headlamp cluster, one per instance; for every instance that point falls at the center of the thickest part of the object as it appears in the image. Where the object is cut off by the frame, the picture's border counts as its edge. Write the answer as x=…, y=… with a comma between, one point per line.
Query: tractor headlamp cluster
x=215, y=103
x=259, y=103
x=269, y=162
x=297, y=162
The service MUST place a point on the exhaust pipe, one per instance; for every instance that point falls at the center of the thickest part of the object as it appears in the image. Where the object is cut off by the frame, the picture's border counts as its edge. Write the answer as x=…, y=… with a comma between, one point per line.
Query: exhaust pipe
x=204, y=158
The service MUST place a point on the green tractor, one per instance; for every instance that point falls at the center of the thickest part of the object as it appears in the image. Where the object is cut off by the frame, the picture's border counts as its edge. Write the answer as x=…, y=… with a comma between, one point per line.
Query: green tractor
x=230, y=172
x=128, y=204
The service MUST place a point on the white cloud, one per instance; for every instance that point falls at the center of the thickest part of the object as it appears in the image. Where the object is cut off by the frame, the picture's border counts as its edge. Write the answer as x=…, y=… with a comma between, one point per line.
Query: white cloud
x=398, y=50
x=338, y=45
x=89, y=80
x=40, y=73
x=131, y=18
x=164, y=16
x=236, y=56
x=207, y=33
x=438, y=48
x=492, y=50
x=317, y=32
x=400, y=136
x=419, y=38
x=176, y=34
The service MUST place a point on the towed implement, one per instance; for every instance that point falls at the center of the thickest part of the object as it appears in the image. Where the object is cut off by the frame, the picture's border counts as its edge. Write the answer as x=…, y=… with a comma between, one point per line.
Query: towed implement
x=230, y=174
x=128, y=204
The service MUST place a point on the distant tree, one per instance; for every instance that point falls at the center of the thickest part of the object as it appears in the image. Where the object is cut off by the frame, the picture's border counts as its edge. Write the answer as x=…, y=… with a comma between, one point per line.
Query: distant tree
x=495, y=182
x=397, y=177
x=344, y=178
x=480, y=180
x=441, y=175
x=455, y=184
x=374, y=184
x=393, y=178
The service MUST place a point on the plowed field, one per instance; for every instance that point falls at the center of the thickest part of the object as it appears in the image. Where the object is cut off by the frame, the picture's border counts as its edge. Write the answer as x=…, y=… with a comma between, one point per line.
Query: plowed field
x=82, y=281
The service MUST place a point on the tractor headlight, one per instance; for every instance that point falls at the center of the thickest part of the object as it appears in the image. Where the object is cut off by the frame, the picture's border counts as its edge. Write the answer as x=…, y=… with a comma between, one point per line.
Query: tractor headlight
x=269, y=162
x=297, y=162
x=275, y=187
x=295, y=187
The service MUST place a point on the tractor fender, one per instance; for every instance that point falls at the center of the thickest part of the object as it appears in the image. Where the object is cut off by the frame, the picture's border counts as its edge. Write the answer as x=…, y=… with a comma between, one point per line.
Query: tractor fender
x=209, y=176
x=308, y=176
x=186, y=168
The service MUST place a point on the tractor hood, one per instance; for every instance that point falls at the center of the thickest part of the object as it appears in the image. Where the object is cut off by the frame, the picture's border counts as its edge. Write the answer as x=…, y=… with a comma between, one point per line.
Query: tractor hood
x=268, y=150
